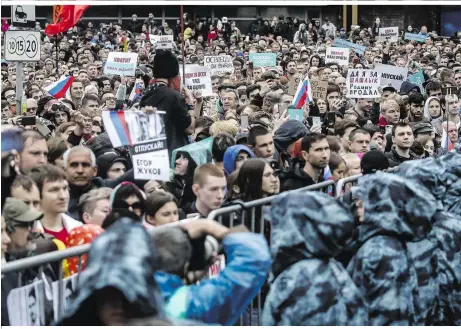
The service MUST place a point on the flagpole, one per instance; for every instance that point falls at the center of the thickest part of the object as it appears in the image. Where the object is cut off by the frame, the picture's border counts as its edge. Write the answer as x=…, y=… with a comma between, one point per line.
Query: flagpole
x=57, y=54
x=182, y=46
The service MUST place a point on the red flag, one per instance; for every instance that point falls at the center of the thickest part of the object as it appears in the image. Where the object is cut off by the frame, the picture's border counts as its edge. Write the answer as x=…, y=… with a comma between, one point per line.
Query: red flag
x=67, y=19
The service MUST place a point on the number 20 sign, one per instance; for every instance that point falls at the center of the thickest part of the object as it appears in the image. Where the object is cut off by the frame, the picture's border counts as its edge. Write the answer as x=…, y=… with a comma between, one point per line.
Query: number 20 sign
x=22, y=46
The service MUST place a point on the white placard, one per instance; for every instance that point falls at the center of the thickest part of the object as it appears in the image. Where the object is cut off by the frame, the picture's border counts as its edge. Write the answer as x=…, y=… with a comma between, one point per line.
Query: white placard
x=145, y=134
x=162, y=41
x=22, y=46
x=337, y=55
x=26, y=305
x=388, y=33
x=392, y=75
x=69, y=287
x=219, y=64
x=119, y=63
x=198, y=78
x=363, y=83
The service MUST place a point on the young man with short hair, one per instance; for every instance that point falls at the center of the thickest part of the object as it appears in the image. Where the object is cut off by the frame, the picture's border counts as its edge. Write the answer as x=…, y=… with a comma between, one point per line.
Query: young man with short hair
x=343, y=130
x=402, y=138
x=54, y=189
x=316, y=153
x=416, y=108
x=209, y=186
x=94, y=206
x=359, y=141
x=260, y=141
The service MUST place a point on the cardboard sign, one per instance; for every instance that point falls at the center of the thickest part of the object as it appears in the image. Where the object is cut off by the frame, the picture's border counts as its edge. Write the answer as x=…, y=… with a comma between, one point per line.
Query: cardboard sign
x=392, y=75
x=296, y=114
x=388, y=34
x=337, y=55
x=162, y=41
x=415, y=37
x=198, y=78
x=145, y=134
x=319, y=89
x=293, y=85
x=346, y=44
x=219, y=64
x=119, y=63
x=26, y=305
x=363, y=83
x=263, y=59
x=418, y=79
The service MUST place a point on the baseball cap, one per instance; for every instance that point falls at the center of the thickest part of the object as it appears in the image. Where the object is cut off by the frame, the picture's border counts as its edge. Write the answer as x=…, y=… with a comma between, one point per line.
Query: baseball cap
x=18, y=211
x=389, y=88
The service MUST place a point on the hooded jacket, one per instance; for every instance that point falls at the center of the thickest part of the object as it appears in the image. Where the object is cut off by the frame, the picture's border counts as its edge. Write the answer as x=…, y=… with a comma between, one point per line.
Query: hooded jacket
x=426, y=109
x=106, y=160
x=407, y=86
x=442, y=178
x=386, y=268
x=231, y=154
x=221, y=299
x=308, y=286
x=122, y=258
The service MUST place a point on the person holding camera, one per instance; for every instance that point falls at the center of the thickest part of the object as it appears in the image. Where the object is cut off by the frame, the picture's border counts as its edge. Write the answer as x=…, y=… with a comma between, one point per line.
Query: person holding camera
x=184, y=255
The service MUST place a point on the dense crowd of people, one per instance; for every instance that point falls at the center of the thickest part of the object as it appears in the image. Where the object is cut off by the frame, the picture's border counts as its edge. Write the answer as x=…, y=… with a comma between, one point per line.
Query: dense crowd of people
x=388, y=252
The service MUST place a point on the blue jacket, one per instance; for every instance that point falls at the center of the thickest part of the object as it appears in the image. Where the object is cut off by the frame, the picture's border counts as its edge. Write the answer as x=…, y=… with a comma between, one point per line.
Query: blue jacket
x=392, y=268
x=308, y=286
x=221, y=300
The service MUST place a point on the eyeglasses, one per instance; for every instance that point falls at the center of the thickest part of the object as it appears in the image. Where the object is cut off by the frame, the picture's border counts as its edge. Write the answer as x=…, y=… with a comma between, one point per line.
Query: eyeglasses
x=135, y=206
x=11, y=96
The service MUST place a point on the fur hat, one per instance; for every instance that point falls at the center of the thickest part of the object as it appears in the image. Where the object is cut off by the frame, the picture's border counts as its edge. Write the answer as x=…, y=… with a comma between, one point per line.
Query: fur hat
x=165, y=64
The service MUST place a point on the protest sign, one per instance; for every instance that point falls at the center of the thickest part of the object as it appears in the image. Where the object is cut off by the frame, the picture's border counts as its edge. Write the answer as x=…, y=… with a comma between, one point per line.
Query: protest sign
x=162, y=41
x=418, y=79
x=145, y=134
x=26, y=305
x=388, y=34
x=293, y=85
x=415, y=37
x=296, y=114
x=346, y=44
x=363, y=83
x=121, y=64
x=319, y=89
x=69, y=286
x=198, y=78
x=263, y=59
x=337, y=55
x=219, y=64
x=392, y=75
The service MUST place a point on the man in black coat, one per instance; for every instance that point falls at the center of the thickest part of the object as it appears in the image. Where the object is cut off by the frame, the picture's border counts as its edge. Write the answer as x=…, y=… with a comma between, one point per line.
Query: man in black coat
x=165, y=95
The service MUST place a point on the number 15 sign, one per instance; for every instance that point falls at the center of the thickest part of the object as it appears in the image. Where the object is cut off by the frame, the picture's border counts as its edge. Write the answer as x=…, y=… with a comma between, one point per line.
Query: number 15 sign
x=22, y=46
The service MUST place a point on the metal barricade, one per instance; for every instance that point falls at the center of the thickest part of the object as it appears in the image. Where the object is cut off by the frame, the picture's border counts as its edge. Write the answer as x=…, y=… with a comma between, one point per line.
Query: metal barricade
x=256, y=225
x=342, y=182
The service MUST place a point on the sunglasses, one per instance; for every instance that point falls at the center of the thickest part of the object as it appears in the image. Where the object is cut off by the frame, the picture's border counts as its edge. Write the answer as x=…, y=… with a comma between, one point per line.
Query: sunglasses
x=136, y=206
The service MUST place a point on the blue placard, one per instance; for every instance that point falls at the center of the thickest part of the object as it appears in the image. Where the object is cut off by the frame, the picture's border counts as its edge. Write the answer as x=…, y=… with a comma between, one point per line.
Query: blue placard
x=296, y=114
x=416, y=37
x=263, y=59
x=418, y=79
x=346, y=44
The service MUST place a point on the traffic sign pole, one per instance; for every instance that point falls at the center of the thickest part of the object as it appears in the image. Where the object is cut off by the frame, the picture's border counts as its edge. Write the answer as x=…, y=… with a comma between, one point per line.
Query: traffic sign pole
x=19, y=86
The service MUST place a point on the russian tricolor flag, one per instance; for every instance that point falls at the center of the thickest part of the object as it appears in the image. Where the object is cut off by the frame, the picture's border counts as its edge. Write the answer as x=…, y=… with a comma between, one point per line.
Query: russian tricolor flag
x=59, y=88
x=136, y=91
x=303, y=93
x=446, y=142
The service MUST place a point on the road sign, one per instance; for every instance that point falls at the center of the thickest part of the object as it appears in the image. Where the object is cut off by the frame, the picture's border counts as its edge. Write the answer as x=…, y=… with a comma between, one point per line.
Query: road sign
x=23, y=16
x=22, y=46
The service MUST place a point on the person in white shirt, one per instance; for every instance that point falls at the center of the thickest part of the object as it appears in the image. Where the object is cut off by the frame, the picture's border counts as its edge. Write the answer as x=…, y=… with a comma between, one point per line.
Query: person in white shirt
x=329, y=28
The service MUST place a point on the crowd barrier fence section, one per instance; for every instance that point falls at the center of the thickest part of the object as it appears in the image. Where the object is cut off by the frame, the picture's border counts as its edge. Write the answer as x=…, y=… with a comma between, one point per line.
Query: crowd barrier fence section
x=247, y=213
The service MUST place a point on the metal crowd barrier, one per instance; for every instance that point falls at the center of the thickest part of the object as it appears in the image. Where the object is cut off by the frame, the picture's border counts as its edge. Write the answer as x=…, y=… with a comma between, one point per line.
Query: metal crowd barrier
x=248, y=217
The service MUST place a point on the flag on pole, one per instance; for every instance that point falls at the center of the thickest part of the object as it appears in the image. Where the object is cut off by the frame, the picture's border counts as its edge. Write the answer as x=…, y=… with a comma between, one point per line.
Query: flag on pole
x=59, y=88
x=66, y=19
x=303, y=93
x=56, y=13
x=136, y=91
x=446, y=142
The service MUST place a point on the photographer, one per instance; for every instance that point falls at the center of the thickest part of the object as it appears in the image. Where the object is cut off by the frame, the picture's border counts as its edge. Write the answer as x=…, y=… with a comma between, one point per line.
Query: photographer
x=184, y=254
